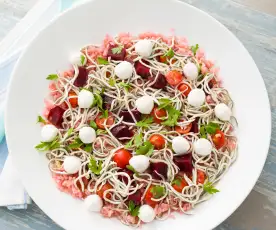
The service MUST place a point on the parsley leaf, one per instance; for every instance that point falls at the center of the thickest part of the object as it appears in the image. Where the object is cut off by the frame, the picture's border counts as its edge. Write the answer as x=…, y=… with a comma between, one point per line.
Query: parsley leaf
x=101, y=131
x=77, y=143
x=170, y=53
x=82, y=57
x=177, y=181
x=93, y=125
x=145, y=122
x=95, y=166
x=98, y=100
x=202, y=132
x=194, y=48
x=209, y=188
x=46, y=146
x=133, y=209
x=173, y=115
x=145, y=149
x=88, y=148
x=112, y=82
x=104, y=114
x=52, y=77
x=117, y=50
x=70, y=131
x=164, y=102
x=129, y=167
x=41, y=120
x=211, y=128
x=137, y=139
x=102, y=61
x=126, y=86
x=157, y=191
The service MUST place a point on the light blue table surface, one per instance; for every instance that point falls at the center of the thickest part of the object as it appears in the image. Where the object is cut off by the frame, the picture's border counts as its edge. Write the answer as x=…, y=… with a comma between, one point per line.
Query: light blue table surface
x=257, y=31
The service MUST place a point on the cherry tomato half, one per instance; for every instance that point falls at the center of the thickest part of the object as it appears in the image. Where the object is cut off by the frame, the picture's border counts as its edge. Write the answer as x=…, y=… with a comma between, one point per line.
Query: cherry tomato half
x=100, y=120
x=148, y=197
x=122, y=157
x=184, y=88
x=158, y=141
x=73, y=99
x=100, y=192
x=174, y=77
x=165, y=59
x=200, y=177
x=179, y=183
x=183, y=129
x=157, y=114
x=218, y=139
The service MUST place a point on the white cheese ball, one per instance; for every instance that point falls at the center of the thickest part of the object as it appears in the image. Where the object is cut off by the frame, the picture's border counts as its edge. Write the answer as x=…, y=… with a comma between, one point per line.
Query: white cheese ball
x=146, y=213
x=71, y=164
x=93, y=203
x=124, y=70
x=48, y=133
x=203, y=147
x=223, y=112
x=145, y=104
x=144, y=48
x=180, y=145
x=85, y=99
x=140, y=163
x=196, y=97
x=190, y=71
x=87, y=135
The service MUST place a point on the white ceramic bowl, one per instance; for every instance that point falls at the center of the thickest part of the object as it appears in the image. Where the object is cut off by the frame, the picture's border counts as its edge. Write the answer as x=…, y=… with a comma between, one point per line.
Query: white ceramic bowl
x=88, y=23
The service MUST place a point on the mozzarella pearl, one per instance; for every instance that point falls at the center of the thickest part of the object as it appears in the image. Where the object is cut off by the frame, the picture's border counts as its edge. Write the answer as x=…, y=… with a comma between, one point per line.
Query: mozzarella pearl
x=145, y=104
x=146, y=213
x=180, y=145
x=93, y=203
x=124, y=70
x=76, y=59
x=196, y=97
x=85, y=99
x=87, y=135
x=140, y=163
x=190, y=71
x=48, y=133
x=223, y=112
x=203, y=147
x=144, y=48
x=71, y=164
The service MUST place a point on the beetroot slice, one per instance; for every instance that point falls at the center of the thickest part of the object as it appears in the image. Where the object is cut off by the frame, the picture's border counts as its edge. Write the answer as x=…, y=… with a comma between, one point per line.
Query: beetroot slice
x=136, y=197
x=142, y=70
x=118, y=55
x=82, y=77
x=124, y=178
x=56, y=116
x=127, y=116
x=159, y=168
x=195, y=126
x=160, y=81
x=184, y=163
x=120, y=131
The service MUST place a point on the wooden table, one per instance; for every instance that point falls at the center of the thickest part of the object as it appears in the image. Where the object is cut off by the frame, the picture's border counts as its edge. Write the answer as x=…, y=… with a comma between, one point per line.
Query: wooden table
x=250, y=21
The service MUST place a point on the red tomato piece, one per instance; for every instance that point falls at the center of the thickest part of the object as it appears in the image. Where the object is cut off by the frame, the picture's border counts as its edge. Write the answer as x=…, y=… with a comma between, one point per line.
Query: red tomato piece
x=148, y=197
x=122, y=157
x=100, y=192
x=183, y=129
x=218, y=139
x=157, y=141
x=73, y=99
x=100, y=120
x=184, y=88
x=179, y=183
x=157, y=114
x=200, y=177
x=174, y=77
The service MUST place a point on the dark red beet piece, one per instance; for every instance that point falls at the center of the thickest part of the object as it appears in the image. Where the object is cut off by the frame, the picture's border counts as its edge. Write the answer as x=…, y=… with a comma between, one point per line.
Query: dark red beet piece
x=56, y=116
x=159, y=168
x=160, y=81
x=142, y=70
x=117, y=56
x=195, y=126
x=107, y=102
x=81, y=78
x=120, y=131
x=124, y=178
x=136, y=197
x=127, y=116
x=184, y=163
